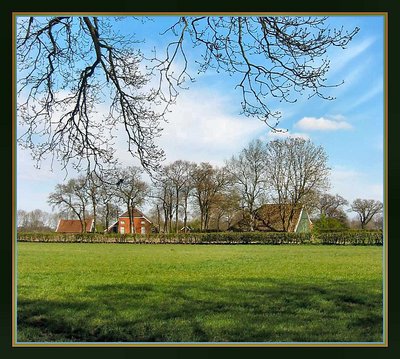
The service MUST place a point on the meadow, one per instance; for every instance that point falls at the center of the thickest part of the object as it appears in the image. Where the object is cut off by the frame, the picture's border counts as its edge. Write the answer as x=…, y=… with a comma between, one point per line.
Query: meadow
x=198, y=293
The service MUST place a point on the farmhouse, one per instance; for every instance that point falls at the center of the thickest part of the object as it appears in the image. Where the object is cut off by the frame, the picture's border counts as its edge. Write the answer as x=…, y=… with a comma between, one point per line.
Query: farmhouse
x=74, y=225
x=141, y=224
x=268, y=218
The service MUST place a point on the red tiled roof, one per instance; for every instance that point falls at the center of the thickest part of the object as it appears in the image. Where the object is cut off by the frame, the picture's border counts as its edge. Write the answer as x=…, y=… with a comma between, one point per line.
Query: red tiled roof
x=135, y=214
x=73, y=226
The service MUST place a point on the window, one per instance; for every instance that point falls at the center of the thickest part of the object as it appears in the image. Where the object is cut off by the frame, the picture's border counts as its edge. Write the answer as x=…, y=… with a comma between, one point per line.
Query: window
x=122, y=222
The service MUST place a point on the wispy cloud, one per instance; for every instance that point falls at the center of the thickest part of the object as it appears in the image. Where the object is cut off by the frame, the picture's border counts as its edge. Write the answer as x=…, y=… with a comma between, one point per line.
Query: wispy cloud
x=352, y=183
x=201, y=128
x=339, y=61
x=375, y=90
x=322, y=124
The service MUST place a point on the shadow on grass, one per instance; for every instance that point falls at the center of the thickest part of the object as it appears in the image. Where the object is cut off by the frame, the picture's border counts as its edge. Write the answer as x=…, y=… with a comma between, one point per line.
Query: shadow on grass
x=249, y=310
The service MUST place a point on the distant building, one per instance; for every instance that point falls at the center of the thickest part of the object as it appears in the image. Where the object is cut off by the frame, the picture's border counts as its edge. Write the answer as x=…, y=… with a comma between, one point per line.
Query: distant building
x=141, y=224
x=268, y=218
x=74, y=225
x=186, y=229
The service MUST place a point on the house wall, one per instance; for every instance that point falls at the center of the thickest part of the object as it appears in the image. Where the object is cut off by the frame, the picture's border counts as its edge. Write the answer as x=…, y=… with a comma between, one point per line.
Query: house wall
x=304, y=223
x=138, y=223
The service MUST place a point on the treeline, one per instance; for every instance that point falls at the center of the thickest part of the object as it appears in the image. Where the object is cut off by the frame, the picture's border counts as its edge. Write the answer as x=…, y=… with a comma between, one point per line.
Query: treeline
x=184, y=195
x=37, y=220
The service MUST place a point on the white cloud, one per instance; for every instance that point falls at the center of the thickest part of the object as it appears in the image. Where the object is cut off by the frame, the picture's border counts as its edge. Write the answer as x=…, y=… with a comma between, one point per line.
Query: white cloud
x=352, y=184
x=274, y=135
x=322, y=124
x=201, y=128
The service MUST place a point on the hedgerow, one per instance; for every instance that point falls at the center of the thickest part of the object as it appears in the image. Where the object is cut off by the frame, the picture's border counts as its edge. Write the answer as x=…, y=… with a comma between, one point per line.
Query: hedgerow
x=351, y=237
x=172, y=238
x=275, y=238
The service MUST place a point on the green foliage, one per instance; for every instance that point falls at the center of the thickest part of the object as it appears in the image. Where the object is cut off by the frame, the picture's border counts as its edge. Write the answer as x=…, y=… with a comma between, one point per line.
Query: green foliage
x=352, y=237
x=339, y=237
x=173, y=238
x=329, y=223
x=181, y=293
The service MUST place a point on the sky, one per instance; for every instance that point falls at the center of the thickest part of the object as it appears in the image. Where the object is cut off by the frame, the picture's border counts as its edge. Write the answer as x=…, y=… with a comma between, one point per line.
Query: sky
x=205, y=124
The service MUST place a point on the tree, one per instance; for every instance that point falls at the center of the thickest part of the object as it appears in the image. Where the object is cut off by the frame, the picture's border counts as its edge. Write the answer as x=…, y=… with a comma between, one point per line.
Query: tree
x=330, y=209
x=330, y=205
x=366, y=209
x=22, y=218
x=69, y=65
x=208, y=182
x=92, y=188
x=296, y=169
x=249, y=175
x=274, y=56
x=178, y=174
x=226, y=207
x=106, y=195
x=131, y=190
x=163, y=194
x=72, y=196
x=36, y=220
x=329, y=223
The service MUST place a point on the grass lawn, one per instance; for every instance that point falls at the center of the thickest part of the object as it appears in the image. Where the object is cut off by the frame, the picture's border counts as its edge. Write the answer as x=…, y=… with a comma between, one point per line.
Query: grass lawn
x=186, y=293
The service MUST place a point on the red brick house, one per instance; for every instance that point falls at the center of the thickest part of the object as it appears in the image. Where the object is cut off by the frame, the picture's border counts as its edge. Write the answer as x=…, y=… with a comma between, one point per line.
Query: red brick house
x=74, y=225
x=141, y=224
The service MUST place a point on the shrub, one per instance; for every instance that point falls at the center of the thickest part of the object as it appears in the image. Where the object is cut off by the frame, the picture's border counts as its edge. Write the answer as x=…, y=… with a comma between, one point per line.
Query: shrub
x=341, y=237
x=178, y=238
x=351, y=237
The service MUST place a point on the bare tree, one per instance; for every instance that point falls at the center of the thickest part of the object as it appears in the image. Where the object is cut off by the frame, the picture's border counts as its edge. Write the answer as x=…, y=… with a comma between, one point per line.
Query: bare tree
x=366, y=209
x=331, y=205
x=69, y=65
x=225, y=208
x=249, y=175
x=296, y=168
x=131, y=189
x=92, y=187
x=274, y=56
x=36, y=220
x=179, y=174
x=22, y=218
x=328, y=208
x=208, y=182
x=72, y=196
x=163, y=195
x=108, y=207
x=378, y=221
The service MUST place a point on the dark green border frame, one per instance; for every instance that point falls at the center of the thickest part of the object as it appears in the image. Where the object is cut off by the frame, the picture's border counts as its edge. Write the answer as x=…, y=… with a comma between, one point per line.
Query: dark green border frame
x=391, y=7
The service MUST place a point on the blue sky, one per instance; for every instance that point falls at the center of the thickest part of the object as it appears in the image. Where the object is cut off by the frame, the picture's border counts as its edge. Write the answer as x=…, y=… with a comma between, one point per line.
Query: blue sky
x=206, y=125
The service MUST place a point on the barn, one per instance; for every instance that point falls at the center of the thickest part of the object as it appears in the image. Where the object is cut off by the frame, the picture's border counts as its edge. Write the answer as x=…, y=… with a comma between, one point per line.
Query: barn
x=268, y=218
x=74, y=226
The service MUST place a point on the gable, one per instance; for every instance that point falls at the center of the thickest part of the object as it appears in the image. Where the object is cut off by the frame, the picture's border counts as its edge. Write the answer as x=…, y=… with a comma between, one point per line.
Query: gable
x=304, y=223
x=135, y=214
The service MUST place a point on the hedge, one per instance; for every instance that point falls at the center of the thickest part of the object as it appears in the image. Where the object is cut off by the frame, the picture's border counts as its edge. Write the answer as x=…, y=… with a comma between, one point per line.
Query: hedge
x=351, y=237
x=275, y=238
x=180, y=238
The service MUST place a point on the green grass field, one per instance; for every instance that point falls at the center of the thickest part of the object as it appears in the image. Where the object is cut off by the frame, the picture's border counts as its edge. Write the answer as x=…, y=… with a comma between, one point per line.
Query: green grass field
x=185, y=293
